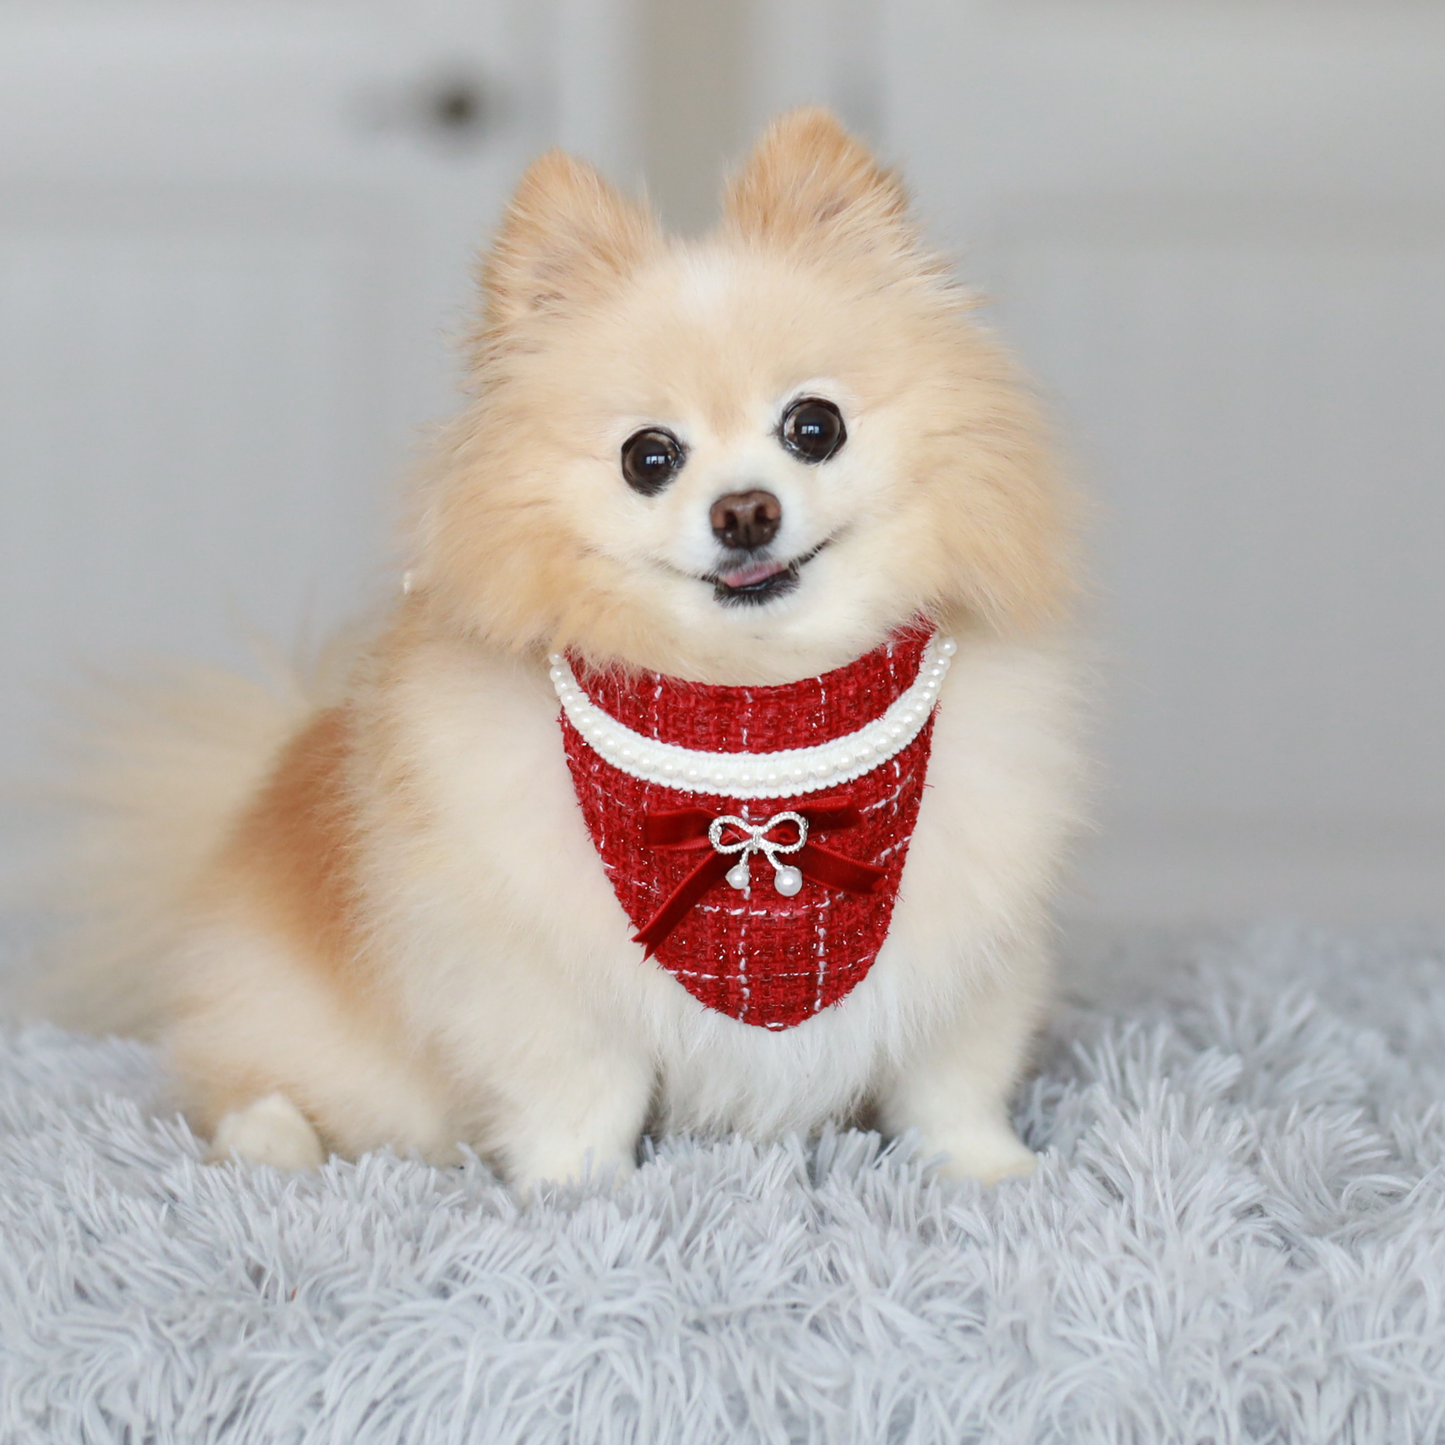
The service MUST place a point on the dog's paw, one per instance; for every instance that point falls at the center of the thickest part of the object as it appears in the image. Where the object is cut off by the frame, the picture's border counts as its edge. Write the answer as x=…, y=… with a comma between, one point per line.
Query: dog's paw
x=987, y=1153
x=270, y=1131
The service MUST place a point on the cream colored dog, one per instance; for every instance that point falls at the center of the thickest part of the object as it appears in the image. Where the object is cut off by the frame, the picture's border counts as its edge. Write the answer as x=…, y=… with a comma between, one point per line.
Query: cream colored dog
x=381, y=920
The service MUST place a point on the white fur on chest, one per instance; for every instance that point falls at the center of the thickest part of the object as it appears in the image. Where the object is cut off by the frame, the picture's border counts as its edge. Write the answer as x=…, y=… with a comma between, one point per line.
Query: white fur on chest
x=502, y=917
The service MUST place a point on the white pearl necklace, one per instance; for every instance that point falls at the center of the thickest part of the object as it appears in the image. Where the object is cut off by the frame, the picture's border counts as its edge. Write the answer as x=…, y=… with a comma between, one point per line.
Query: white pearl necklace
x=783, y=774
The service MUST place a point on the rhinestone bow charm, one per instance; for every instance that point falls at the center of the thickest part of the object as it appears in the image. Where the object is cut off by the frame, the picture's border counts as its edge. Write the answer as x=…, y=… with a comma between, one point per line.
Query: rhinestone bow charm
x=695, y=830
x=786, y=879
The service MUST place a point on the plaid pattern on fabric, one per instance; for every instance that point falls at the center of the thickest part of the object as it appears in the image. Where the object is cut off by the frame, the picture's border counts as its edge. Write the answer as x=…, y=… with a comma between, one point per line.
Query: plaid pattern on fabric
x=757, y=956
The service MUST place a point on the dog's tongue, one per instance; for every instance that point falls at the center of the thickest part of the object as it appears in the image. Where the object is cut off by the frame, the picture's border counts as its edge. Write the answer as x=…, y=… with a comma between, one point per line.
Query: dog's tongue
x=756, y=572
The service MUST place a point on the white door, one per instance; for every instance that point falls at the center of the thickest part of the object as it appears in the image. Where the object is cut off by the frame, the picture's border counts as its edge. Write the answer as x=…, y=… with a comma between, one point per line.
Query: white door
x=1216, y=232
x=235, y=241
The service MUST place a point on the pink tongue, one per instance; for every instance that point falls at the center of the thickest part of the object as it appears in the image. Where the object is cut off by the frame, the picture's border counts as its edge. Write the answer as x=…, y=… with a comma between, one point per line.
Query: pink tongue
x=758, y=572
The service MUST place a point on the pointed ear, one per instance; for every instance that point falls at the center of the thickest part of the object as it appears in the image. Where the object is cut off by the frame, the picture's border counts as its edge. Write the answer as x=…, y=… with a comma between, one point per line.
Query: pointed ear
x=568, y=237
x=808, y=185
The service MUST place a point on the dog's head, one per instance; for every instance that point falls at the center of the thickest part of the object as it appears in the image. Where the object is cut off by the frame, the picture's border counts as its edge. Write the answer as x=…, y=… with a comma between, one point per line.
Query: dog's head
x=742, y=459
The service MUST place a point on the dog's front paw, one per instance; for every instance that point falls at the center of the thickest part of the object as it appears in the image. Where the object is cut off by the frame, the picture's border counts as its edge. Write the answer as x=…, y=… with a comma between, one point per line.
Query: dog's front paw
x=986, y=1152
x=270, y=1131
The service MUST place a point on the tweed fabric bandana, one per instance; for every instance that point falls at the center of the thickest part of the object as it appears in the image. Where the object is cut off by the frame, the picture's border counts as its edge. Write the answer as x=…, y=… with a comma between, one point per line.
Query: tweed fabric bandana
x=757, y=956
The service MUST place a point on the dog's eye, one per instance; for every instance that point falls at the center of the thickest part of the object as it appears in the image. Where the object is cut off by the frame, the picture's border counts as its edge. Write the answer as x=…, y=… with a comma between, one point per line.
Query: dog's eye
x=650, y=460
x=812, y=429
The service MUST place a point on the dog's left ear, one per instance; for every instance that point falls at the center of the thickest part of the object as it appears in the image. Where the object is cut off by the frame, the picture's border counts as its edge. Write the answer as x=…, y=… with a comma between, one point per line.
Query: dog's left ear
x=566, y=241
x=810, y=186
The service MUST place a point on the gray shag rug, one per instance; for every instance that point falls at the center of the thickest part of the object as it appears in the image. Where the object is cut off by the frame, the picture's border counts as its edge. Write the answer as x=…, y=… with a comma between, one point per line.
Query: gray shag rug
x=1237, y=1234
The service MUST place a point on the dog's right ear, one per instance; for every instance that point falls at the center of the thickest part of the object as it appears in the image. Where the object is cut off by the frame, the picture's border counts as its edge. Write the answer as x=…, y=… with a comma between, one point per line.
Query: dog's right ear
x=567, y=239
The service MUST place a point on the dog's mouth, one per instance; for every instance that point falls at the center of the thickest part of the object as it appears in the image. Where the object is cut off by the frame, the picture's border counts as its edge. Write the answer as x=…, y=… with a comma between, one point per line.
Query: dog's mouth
x=756, y=582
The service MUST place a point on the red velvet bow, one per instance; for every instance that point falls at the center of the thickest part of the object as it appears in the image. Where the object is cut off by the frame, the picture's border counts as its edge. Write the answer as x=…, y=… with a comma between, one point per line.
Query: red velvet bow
x=686, y=830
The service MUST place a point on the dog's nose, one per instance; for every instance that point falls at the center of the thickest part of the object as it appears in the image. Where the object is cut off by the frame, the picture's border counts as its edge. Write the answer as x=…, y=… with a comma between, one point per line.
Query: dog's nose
x=744, y=520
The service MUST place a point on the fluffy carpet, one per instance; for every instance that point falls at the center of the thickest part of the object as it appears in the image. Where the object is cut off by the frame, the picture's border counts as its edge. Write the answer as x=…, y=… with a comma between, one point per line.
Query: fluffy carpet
x=1237, y=1234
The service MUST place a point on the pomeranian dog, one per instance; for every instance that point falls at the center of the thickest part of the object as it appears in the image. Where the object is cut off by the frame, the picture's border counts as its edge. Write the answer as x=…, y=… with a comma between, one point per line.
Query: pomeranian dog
x=713, y=769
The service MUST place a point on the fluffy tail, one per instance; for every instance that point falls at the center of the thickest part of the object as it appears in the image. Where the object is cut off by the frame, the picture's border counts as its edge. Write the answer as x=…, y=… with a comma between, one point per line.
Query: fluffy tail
x=153, y=779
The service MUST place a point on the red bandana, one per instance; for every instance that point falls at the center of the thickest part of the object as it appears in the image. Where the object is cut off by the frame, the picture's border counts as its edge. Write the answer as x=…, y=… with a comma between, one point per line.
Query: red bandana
x=772, y=955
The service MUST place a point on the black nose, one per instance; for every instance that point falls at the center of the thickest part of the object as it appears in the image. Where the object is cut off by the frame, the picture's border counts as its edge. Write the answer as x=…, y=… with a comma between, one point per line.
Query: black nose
x=744, y=520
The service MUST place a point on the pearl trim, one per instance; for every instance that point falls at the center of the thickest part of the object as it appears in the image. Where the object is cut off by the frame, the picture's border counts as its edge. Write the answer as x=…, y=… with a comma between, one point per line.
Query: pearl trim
x=783, y=774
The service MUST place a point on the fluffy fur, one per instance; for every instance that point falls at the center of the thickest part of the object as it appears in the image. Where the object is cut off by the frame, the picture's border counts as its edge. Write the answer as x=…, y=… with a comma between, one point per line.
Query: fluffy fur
x=401, y=935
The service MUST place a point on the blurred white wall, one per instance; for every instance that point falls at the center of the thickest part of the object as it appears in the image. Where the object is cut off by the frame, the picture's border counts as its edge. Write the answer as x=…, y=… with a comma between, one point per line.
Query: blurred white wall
x=233, y=236
x=696, y=64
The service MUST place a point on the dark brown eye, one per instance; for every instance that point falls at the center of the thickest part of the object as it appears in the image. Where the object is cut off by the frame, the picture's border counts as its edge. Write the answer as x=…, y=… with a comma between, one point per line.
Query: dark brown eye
x=650, y=460
x=813, y=429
